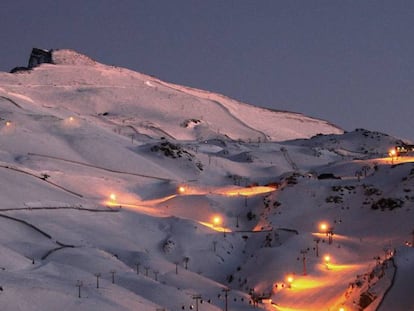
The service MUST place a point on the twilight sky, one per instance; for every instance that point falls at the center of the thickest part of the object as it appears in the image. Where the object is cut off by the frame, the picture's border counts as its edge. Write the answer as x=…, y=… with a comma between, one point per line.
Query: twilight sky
x=349, y=62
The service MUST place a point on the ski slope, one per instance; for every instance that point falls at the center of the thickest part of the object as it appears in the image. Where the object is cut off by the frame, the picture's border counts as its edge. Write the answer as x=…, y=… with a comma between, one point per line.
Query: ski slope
x=123, y=192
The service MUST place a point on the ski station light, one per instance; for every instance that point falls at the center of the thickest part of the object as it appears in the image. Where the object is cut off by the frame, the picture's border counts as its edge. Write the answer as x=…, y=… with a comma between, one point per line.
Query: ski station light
x=289, y=279
x=327, y=259
x=392, y=152
x=216, y=220
x=323, y=226
x=112, y=196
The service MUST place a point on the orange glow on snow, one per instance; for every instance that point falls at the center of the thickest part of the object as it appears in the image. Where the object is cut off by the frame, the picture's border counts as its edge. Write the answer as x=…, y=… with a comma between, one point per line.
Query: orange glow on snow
x=394, y=159
x=214, y=226
x=71, y=122
x=229, y=191
x=342, y=268
x=279, y=308
x=308, y=283
x=247, y=191
x=132, y=201
x=299, y=295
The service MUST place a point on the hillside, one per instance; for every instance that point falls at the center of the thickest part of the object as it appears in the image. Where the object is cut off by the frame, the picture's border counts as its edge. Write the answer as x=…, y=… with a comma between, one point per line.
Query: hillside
x=124, y=192
x=143, y=105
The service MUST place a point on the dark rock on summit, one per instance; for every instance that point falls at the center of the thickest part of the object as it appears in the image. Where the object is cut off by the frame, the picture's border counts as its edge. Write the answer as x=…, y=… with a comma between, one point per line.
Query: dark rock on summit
x=40, y=56
x=37, y=57
x=19, y=69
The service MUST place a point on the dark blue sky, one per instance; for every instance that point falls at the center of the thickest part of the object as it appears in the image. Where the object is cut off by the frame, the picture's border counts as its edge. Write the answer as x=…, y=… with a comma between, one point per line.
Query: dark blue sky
x=348, y=62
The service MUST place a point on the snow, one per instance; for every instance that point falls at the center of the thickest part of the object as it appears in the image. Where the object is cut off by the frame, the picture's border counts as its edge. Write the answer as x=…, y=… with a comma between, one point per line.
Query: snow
x=74, y=132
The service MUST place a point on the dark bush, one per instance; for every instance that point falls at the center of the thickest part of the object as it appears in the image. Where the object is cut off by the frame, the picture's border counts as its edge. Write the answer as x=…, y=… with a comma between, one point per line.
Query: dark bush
x=371, y=191
x=250, y=215
x=387, y=203
x=334, y=199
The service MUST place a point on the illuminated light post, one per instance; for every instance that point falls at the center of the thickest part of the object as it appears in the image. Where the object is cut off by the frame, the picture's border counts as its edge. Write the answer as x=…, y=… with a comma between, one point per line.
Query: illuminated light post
x=289, y=279
x=112, y=196
x=8, y=123
x=71, y=119
x=393, y=154
x=181, y=189
x=341, y=309
x=217, y=220
x=323, y=226
x=327, y=260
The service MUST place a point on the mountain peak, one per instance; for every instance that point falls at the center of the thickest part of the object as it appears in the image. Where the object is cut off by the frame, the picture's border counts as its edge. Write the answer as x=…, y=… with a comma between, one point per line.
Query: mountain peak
x=71, y=57
x=84, y=86
x=57, y=57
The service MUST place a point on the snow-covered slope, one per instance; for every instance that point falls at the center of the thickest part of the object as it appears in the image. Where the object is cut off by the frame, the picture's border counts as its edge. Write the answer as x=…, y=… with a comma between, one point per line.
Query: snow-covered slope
x=123, y=192
x=140, y=104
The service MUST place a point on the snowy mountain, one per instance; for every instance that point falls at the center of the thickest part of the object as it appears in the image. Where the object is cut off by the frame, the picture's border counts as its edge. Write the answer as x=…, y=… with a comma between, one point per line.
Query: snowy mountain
x=123, y=192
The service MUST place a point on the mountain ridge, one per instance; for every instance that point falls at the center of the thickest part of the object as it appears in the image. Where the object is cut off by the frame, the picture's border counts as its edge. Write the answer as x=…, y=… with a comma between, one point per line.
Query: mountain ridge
x=82, y=72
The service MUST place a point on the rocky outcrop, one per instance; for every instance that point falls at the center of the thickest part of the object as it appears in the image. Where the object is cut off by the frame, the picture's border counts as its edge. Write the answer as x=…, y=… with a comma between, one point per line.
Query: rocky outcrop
x=57, y=57
x=40, y=56
x=19, y=69
x=37, y=57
